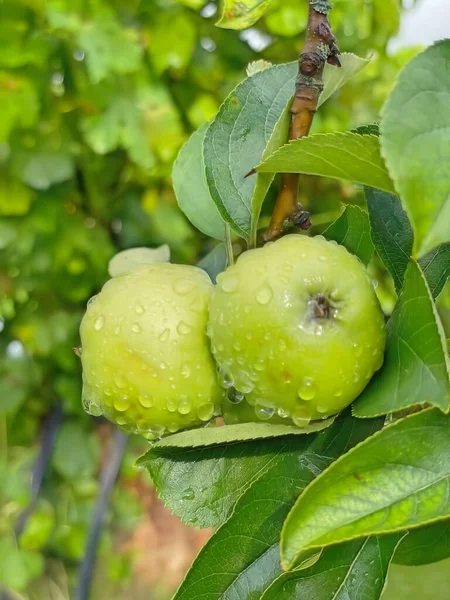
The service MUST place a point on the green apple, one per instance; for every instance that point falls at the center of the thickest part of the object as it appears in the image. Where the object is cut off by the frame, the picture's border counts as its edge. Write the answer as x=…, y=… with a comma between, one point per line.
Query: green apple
x=146, y=359
x=296, y=329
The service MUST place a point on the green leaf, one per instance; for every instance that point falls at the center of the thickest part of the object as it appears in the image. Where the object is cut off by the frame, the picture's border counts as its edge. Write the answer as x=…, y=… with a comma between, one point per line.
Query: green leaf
x=392, y=234
x=76, y=453
x=352, y=230
x=425, y=545
x=415, y=366
x=109, y=48
x=41, y=168
x=415, y=138
x=337, y=155
x=240, y=14
x=121, y=125
x=255, y=115
x=19, y=103
x=179, y=474
x=242, y=558
x=372, y=129
x=350, y=571
x=436, y=268
x=214, y=262
x=211, y=436
x=190, y=187
x=133, y=258
x=173, y=40
x=395, y=480
x=335, y=78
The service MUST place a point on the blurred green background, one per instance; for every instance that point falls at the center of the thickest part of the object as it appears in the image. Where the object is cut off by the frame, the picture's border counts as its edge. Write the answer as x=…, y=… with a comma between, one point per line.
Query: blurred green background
x=96, y=99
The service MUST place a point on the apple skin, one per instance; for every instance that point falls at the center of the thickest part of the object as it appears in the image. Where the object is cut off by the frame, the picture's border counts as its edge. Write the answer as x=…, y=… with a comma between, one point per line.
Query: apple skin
x=146, y=359
x=296, y=329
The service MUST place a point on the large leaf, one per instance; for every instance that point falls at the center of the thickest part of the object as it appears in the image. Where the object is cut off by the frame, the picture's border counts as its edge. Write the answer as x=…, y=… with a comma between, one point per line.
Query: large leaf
x=415, y=368
x=352, y=230
x=180, y=474
x=211, y=436
x=190, y=187
x=415, y=140
x=425, y=545
x=355, y=570
x=392, y=234
x=338, y=155
x=240, y=14
x=436, y=268
x=236, y=139
x=395, y=480
x=242, y=558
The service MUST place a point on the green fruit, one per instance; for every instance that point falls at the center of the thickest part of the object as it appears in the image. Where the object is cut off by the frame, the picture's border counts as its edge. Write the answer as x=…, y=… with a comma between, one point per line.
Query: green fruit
x=296, y=328
x=146, y=359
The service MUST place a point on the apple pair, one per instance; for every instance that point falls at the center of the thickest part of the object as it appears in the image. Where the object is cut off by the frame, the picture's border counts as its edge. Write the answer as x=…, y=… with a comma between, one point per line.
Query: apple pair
x=295, y=329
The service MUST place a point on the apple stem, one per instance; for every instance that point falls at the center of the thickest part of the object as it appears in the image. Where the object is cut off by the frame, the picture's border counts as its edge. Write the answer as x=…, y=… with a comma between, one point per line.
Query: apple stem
x=320, y=47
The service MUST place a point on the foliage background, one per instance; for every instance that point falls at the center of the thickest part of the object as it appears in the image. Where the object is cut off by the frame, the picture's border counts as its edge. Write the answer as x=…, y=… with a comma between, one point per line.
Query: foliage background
x=96, y=98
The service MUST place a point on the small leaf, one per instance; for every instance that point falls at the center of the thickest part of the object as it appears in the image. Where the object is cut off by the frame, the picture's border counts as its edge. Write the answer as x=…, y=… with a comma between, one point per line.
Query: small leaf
x=173, y=39
x=415, y=139
x=392, y=234
x=214, y=262
x=19, y=103
x=372, y=129
x=352, y=230
x=256, y=66
x=240, y=14
x=211, y=436
x=190, y=187
x=180, y=474
x=133, y=258
x=436, y=268
x=242, y=558
x=353, y=571
x=394, y=480
x=337, y=155
x=255, y=116
x=415, y=365
x=425, y=545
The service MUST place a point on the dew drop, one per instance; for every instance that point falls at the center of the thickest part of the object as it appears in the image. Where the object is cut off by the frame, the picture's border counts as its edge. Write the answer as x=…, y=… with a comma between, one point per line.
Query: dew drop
x=171, y=405
x=162, y=365
x=321, y=409
x=95, y=410
x=157, y=431
x=237, y=345
x=282, y=413
x=164, y=336
x=120, y=381
x=139, y=309
x=358, y=350
x=136, y=328
x=182, y=286
x=235, y=396
x=120, y=420
x=356, y=377
x=337, y=393
x=224, y=379
x=99, y=322
x=205, y=411
x=229, y=283
x=259, y=365
x=264, y=295
x=117, y=330
x=307, y=389
x=146, y=401
x=282, y=345
x=184, y=407
x=300, y=421
x=188, y=494
x=323, y=258
x=245, y=387
x=121, y=403
x=173, y=427
x=263, y=412
x=183, y=328
x=185, y=370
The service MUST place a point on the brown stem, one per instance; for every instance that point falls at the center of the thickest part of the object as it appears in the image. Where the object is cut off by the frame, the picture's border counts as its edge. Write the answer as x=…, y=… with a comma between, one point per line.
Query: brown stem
x=319, y=48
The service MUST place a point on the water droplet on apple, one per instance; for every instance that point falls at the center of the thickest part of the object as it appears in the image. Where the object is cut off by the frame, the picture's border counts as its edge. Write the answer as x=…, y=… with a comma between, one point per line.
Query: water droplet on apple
x=139, y=309
x=235, y=396
x=183, y=328
x=259, y=365
x=300, y=420
x=321, y=409
x=229, y=283
x=264, y=413
x=136, y=328
x=120, y=381
x=282, y=413
x=205, y=411
x=173, y=427
x=323, y=258
x=184, y=407
x=146, y=401
x=182, y=286
x=307, y=389
x=121, y=403
x=99, y=322
x=171, y=405
x=264, y=295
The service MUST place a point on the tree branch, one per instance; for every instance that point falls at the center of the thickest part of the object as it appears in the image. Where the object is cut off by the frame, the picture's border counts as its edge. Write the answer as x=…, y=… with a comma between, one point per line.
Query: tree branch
x=319, y=48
